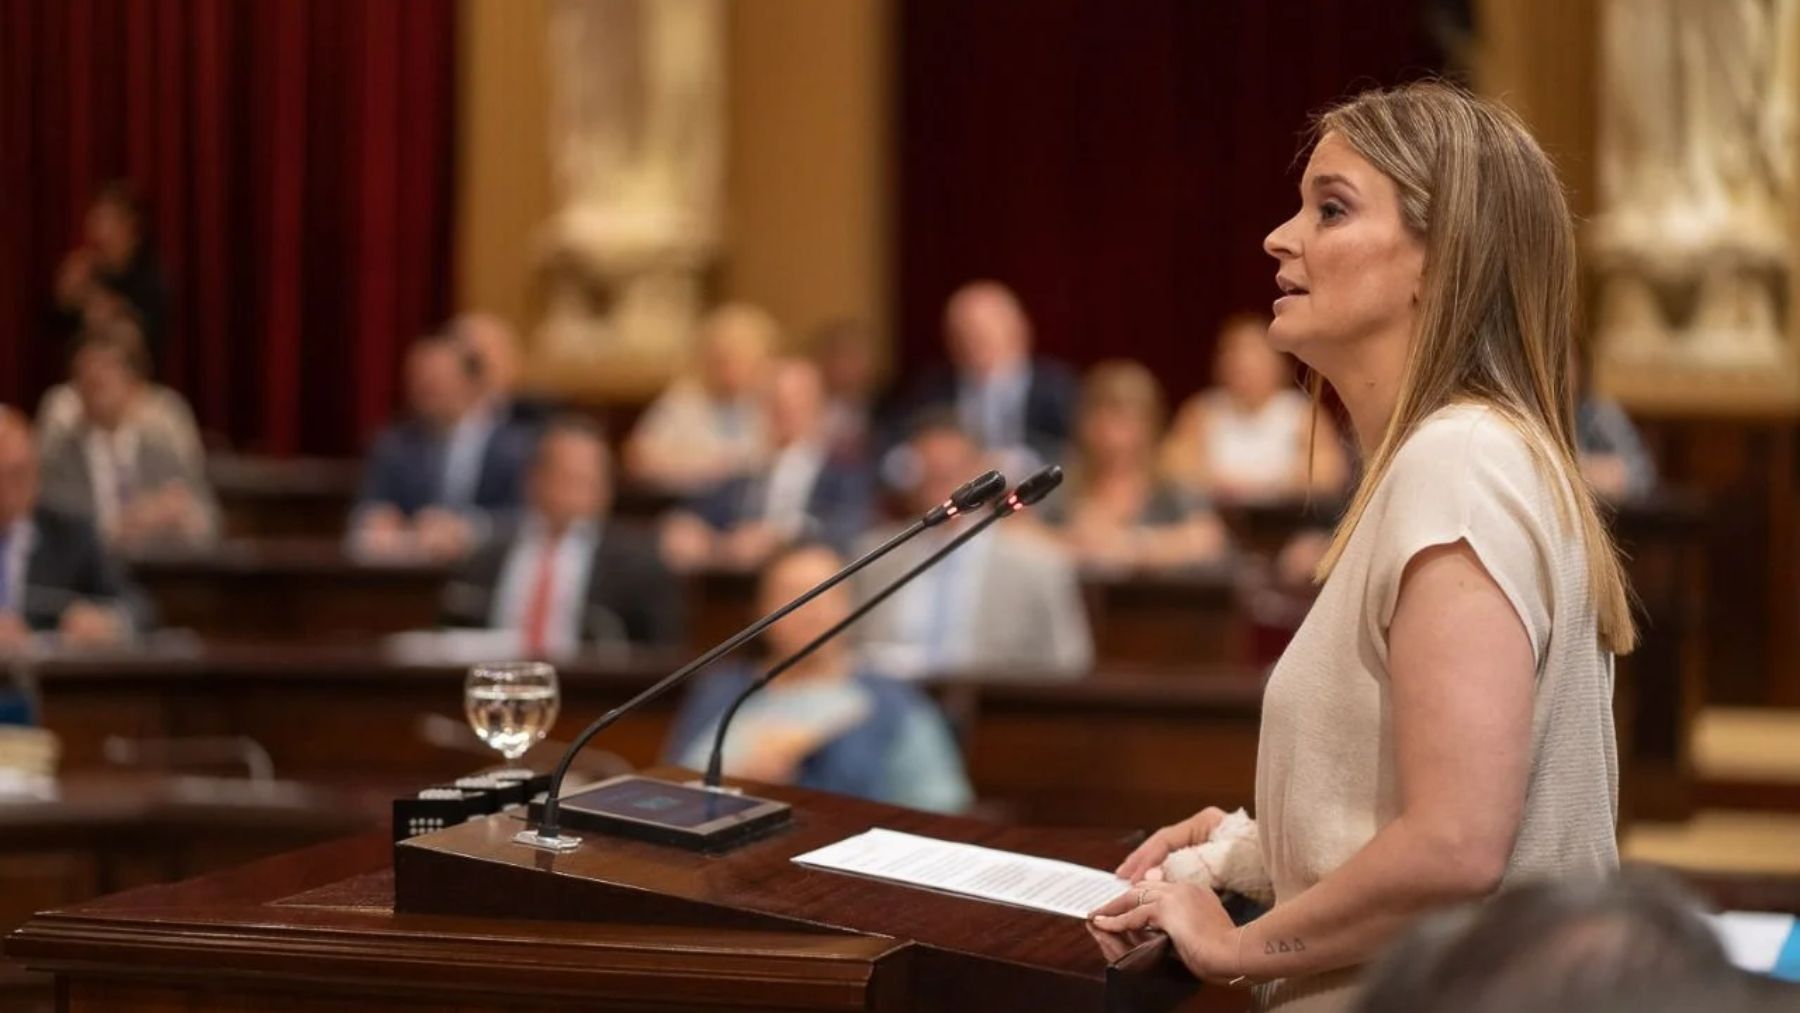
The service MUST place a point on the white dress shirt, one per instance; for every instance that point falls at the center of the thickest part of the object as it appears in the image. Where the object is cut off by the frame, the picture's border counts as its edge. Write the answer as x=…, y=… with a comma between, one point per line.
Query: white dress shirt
x=935, y=630
x=571, y=573
x=788, y=485
x=13, y=564
x=463, y=453
x=112, y=458
x=993, y=408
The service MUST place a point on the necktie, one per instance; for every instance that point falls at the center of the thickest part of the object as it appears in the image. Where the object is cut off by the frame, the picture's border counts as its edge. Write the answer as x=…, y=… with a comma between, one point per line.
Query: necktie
x=122, y=478
x=537, y=607
x=6, y=570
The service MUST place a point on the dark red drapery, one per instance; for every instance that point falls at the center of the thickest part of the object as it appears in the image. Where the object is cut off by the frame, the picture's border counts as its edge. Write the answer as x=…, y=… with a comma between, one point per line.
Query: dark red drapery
x=297, y=160
x=1118, y=163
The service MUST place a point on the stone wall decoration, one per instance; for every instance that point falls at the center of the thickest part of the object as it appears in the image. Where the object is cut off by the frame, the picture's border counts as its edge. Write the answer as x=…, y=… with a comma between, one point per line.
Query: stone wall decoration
x=1692, y=251
x=638, y=141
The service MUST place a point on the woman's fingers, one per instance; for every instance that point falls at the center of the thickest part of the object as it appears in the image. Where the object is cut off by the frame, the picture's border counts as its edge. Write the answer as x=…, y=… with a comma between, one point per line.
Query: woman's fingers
x=1149, y=854
x=1141, y=916
x=1118, y=905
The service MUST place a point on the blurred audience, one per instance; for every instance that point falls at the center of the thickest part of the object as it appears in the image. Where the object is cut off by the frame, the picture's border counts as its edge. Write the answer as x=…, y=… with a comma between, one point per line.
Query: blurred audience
x=127, y=463
x=831, y=722
x=1117, y=512
x=846, y=353
x=1005, y=601
x=494, y=342
x=113, y=274
x=1019, y=408
x=55, y=575
x=709, y=427
x=563, y=575
x=436, y=480
x=156, y=407
x=1613, y=457
x=1557, y=947
x=1251, y=438
x=805, y=490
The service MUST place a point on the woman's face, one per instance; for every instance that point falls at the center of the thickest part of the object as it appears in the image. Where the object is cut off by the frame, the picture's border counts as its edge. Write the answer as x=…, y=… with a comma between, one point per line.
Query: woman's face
x=1350, y=269
x=1115, y=432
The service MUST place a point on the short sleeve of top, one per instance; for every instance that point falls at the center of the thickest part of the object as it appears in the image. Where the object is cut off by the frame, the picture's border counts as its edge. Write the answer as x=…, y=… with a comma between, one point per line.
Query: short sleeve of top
x=1469, y=475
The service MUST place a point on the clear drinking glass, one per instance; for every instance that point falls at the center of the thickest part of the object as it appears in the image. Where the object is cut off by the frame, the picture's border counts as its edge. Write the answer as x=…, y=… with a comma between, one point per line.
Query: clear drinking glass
x=511, y=705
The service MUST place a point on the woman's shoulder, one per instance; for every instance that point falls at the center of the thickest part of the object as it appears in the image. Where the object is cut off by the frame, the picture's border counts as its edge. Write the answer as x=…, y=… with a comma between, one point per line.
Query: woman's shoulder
x=1462, y=438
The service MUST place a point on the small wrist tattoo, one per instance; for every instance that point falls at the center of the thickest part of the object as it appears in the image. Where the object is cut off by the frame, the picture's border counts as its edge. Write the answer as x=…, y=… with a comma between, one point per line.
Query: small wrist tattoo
x=1275, y=946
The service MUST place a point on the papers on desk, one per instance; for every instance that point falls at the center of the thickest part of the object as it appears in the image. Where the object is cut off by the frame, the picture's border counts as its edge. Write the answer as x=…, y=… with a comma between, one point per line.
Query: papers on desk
x=1041, y=884
x=1762, y=943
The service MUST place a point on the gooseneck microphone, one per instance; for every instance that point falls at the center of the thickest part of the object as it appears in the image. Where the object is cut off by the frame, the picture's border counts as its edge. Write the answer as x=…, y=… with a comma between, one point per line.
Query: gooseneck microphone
x=1029, y=492
x=969, y=497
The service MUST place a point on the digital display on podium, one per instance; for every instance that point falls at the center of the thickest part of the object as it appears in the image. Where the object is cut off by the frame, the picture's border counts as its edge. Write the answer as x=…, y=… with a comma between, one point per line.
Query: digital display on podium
x=669, y=813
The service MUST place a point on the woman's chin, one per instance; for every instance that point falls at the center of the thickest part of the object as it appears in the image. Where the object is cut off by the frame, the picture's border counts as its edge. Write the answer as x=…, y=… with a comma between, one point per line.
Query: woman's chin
x=1285, y=338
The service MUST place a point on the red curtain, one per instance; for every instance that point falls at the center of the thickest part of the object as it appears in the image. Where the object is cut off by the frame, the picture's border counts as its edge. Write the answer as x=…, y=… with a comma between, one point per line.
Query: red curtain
x=1118, y=163
x=296, y=156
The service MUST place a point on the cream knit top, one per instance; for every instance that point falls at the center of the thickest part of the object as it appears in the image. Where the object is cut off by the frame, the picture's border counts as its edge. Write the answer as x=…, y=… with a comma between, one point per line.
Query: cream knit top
x=1325, y=777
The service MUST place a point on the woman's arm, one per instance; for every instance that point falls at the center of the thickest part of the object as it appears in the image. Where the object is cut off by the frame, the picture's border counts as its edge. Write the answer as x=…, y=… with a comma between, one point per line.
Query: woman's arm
x=1462, y=674
x=1184, y=449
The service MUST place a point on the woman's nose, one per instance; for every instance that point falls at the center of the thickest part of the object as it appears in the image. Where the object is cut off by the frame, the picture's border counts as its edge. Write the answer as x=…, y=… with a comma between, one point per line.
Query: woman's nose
x=1280, y=243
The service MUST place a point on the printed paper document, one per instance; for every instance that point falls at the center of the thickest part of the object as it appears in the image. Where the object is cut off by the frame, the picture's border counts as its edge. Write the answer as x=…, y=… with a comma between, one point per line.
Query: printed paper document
x=1042, y=884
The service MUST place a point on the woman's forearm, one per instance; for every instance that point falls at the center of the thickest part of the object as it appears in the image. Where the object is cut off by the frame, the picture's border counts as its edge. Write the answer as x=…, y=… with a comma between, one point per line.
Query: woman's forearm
x=1350, y=915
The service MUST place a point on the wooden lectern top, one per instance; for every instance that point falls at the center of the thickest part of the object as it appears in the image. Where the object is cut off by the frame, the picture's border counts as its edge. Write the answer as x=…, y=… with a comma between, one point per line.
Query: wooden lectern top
x=959, y=947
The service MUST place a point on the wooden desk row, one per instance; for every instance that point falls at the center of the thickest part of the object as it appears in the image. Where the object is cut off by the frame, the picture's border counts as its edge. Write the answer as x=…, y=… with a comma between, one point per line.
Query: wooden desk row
x=1123, y=747
x=305, y=591
x=1131, y=748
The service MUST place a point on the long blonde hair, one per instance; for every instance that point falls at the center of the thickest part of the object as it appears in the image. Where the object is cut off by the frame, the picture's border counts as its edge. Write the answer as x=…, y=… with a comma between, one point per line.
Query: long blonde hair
x=1498, y=306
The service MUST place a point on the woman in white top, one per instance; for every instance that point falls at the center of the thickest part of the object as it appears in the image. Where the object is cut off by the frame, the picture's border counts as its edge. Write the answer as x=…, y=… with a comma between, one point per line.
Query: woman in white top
x=1254, y=437
x=1442, y=721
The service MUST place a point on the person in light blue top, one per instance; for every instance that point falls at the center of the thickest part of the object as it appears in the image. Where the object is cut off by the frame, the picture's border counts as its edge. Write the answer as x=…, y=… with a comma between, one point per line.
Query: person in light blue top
x=829, y=722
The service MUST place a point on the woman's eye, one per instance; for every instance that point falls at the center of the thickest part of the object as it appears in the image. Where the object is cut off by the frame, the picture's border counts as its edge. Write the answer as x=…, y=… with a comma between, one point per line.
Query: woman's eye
x=1331, y=211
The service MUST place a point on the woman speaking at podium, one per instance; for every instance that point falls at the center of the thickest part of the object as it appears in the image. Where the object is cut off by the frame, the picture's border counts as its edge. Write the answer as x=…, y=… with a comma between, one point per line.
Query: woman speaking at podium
x=1442, y=722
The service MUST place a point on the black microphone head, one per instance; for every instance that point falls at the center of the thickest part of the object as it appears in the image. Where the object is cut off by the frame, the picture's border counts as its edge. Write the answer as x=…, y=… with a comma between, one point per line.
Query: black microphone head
x=969, y=496
x=978, y=492
x=1032, y=490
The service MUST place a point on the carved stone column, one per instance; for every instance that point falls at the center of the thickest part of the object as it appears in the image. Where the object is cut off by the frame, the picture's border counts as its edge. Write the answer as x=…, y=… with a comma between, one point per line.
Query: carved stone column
x=1693, y=251
x=637, y=124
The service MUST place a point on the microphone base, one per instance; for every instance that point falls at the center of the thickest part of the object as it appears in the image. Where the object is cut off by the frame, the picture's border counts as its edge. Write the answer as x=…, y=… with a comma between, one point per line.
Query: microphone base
x=687, y=816
x=561, y=845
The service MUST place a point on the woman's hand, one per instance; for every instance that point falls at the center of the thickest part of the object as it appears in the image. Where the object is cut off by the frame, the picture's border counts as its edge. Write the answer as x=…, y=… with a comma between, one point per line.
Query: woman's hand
x=1150, y=854
x=1191, y=916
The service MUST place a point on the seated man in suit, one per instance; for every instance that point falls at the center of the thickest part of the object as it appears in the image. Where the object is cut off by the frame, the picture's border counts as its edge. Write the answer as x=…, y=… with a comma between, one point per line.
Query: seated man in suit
x=805, y=489
x=831, y=722
x=563, y=576
x=117, y=468
x=436, y=481
x=1005, y=601
x=1018, y=408
x=55, y=577
x=496, y=344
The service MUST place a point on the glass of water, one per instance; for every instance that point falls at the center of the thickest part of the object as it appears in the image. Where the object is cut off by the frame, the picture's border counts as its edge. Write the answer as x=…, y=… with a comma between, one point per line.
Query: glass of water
x=511, y=705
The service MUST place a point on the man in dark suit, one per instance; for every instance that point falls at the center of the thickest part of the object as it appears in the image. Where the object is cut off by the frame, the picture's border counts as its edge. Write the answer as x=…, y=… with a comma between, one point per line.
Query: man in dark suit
x=563, y=575
x=1016, y=406
x=436, y=481
x=806, y=490
x=54, y=574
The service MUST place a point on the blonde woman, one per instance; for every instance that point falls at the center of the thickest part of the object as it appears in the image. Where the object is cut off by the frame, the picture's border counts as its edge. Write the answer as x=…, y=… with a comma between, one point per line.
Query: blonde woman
x=1118, y=513
x=1253, y=437
x=708, y=427
x=1442, y=722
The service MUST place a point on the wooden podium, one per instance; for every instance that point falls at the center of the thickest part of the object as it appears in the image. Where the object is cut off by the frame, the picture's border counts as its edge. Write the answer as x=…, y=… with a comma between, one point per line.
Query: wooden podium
x=465, y=919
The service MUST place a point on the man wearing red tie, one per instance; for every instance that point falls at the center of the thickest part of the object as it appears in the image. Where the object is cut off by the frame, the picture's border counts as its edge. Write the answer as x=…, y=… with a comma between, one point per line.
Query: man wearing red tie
x=565, y=576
